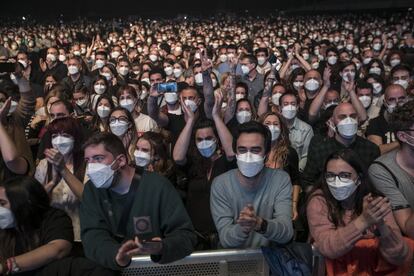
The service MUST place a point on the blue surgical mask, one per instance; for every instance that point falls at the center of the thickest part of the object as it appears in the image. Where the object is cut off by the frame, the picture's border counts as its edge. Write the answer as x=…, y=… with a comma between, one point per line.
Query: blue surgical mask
x=207, y=148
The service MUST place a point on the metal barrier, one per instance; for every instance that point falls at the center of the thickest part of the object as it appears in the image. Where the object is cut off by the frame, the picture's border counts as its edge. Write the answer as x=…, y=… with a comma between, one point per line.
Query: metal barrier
x=248, y=262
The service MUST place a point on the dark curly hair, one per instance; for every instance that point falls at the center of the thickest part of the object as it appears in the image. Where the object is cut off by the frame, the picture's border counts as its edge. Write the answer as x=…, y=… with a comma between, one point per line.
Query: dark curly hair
x=403, y=117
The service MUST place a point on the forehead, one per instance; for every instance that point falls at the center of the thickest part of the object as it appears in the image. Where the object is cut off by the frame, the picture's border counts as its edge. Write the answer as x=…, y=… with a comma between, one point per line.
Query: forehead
x=288, y=98
x=400, y=73
x=339, y=165
x=93, y=150
x=58, y=107
x=204, y=132
x=189, y=93
x=272, y=118
x=395, y=91
x=118, y=113
x=250, y=140
x=344, y=109
x=143, y=143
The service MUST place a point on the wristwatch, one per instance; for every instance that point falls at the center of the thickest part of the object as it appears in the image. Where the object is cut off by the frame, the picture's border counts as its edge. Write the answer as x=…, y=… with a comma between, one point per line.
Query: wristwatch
x=263, y=227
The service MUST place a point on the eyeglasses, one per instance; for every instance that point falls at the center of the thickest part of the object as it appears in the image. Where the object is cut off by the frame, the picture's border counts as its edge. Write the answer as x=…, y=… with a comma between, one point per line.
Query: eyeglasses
x=343, y=176
x=120, y=119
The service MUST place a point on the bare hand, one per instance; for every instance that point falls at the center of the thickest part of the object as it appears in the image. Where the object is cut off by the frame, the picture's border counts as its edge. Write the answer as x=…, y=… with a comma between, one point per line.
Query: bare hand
x=327, y=76
x=54, y=157
x=218, y=96
x=375, y=209
x=4, y=110
x=42, y=64
x=247, y=219
x=136, y=247
x=206, y=63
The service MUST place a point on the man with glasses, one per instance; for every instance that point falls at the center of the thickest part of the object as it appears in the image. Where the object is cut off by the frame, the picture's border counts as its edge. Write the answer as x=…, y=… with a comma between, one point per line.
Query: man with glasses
x=393, y=173
x=378, y=130
x=344, y=121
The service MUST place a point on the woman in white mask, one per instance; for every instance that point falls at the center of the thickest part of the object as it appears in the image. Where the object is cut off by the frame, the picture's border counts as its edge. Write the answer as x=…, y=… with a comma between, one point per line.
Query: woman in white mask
x=128, y=99
x=375, y=67
x=348, y=77
x=244, y=113
x=349, y=219
x=62, y=171
x=198, y=150
x=151, y=153
x=282, y=155
x=29, y=225
x=296, y=80
x=100, y=87
x=103, y=108
x=122, y=125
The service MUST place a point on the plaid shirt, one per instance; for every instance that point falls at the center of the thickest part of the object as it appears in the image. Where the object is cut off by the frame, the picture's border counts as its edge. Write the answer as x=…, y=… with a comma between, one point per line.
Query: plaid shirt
x=321, y=148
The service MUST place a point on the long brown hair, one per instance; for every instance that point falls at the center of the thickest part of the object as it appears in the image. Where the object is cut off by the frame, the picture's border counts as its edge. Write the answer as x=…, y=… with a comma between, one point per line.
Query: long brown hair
x=29, y=203
x=70, y=126
x=280, y=149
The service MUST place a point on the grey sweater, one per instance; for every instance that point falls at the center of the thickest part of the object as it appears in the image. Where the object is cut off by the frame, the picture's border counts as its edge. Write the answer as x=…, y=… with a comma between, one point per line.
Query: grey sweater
x=271, y=199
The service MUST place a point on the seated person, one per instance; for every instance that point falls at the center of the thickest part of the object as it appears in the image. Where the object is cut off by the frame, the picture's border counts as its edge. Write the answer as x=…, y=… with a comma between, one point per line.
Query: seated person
x=349, y=220
x=124, y=213
x=252, y=205
x=393, y=172
x=345, y=121
x=378, y=130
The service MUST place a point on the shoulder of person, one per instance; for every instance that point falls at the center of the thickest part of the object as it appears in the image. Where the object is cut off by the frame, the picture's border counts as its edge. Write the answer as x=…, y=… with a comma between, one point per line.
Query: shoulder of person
x=276, y=174
x=155, y=181
x=224, y=179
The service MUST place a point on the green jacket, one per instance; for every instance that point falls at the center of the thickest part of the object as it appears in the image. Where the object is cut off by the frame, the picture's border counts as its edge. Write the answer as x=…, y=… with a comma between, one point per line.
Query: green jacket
x=157, y=210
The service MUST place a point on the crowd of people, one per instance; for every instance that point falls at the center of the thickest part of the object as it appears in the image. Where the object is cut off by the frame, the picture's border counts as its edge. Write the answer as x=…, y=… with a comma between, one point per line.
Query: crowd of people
x=161, y=137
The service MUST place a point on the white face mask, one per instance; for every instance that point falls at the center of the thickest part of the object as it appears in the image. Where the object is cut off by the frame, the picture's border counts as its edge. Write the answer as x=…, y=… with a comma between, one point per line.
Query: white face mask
x=6, y=218
x=198, y=79
x=349, y=76
x=250, y=164
x=147, y=80
x=289, y=111
x=207, y=148
x=214, y=81
x=82, y=103
x=107, y=76
x=377, y=88
x=243, y=116
x=177, y=72
x=395, y=62
x=403, y=83
x=191, y=105
x=118, y=128
x=73, y=70
x=223, y=58
x=168, y=70
x=115, y=54
x=331, y=103
x=347, y=128
x=142, y=159
x=128, y=104
x=298, y=85
x=275, y=98
x=341, y=190
x=99, y=88
x=261, y=60
x=365, y=100
x=99, y=63
x=76, y=53
x=312, y=85
x=103, y=111
x=62, y=58
x=275, y=131
x=63, y=144
x=153, y=58
x=245, y=69
x=377, y=46
x=171, y=97
x=239, y=97
x=375, y=70
x=305, y=56
x=123, y=71
x=100, y=174
x=315, y=65
x=366, y=60
x=332, y=60
x=51, y=57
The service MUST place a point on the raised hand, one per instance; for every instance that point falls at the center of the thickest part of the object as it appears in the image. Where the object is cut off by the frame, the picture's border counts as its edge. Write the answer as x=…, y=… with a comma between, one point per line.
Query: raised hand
x=42, y=64
x=218, y=101
x=54, y=157
x=4, y=109
x=206, y=63
x=327, y=76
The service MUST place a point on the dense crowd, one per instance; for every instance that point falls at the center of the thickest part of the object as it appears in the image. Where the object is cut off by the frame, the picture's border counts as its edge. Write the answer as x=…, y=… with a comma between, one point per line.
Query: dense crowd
x=159, y=137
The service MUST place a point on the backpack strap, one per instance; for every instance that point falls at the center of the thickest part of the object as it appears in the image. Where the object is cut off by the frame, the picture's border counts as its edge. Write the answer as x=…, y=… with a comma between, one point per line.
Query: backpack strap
x=389, y=171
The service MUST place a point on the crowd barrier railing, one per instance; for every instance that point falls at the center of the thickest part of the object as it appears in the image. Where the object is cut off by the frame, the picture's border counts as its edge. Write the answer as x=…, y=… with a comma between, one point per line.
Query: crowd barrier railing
x=245, y=262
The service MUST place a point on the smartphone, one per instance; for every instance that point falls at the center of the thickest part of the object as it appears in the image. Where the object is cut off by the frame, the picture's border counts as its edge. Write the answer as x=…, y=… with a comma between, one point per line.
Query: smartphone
x=151, y=244
x=167, y=87
x=7, y=67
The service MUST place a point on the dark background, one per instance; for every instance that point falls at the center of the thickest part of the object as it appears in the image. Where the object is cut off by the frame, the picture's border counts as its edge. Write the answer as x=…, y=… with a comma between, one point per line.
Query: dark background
x=101, y=8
